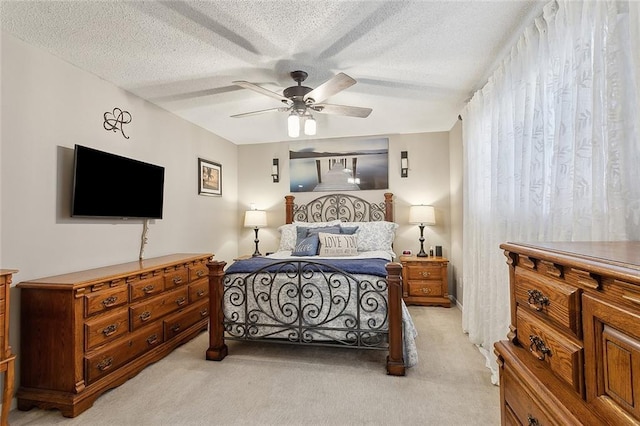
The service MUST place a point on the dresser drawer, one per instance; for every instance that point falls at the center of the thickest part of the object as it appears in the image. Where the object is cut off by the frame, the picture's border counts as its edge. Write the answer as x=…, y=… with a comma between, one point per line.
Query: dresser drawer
x=425, y=288
x=550, y=297
x=146, y=286
x=198, y=271
x=175, y=278
x=198, y=290
x=559, y=352
x=109, y=298
x=424, y=272
x=106, y=360
x=176, y=323
x=525, y=409
x=106, y=328
x=149, y=310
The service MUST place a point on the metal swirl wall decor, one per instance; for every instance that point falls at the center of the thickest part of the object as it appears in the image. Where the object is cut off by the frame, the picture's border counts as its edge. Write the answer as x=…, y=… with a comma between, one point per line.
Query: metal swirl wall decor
x=115, y=120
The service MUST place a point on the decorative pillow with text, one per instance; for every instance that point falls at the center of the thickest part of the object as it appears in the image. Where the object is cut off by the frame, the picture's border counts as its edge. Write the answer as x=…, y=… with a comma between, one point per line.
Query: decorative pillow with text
x=338, y=244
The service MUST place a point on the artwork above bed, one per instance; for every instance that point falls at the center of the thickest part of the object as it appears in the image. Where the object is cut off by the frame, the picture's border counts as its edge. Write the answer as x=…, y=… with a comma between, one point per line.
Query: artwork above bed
x=344, y=165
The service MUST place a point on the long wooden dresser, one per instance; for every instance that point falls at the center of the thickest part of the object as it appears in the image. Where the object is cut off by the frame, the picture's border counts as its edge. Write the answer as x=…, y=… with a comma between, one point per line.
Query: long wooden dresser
x=86, y=332
x=573, y=354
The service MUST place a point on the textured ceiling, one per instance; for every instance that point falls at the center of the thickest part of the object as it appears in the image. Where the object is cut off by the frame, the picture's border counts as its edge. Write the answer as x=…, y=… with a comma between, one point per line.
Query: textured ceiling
x=416, y=62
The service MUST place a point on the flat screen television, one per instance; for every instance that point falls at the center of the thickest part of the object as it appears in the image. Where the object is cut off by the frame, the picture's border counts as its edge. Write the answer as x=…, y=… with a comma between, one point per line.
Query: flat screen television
x=108, y=185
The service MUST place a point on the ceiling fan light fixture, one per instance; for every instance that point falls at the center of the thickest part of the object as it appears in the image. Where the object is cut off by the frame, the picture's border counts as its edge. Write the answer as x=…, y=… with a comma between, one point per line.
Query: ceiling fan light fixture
x=309, y=125
x=293, y=125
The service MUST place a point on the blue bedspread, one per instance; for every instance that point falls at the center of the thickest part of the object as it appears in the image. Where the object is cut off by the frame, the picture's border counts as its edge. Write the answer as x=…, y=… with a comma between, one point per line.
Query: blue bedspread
x=352, y=266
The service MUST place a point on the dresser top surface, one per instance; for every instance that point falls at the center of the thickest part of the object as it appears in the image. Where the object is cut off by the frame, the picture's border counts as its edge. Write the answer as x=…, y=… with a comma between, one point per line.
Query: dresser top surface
x=115, y=271
x=624, y=254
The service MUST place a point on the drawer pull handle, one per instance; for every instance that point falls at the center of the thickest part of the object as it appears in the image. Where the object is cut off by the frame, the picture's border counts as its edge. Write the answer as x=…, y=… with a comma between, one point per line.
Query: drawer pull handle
x=108, y=331
x=177, y=280
x=200, y=273
x=537, y=300
x=105, y=364
x=204, y=312
x=153, y=339
x=145, y=316
x=109, y=301
x=425, y=274
x=181, y=301
x=200, y=293
x=541, y=351
x=148, y=288
x=176, y=327
x=426, y=290
x=532, y=421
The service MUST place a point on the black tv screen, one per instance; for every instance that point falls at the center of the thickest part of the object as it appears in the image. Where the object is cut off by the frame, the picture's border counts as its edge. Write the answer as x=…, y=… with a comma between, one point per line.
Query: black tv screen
x=108, y=185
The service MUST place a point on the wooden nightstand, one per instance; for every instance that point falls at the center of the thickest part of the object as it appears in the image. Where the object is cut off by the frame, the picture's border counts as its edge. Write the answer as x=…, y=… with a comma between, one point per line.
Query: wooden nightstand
x=424, y=281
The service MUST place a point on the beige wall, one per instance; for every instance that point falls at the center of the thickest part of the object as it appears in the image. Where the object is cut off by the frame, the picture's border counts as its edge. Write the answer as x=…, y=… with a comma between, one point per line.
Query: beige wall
x=47, y=107
x=428, y=183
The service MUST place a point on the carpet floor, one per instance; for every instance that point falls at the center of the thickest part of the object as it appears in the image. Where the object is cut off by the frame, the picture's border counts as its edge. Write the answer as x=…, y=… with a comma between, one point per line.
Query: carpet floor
x=269, y=384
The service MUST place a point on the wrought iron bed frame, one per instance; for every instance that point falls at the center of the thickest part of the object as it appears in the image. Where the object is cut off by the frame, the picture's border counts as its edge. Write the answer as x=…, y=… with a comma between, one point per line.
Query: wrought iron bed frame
x=295, y=314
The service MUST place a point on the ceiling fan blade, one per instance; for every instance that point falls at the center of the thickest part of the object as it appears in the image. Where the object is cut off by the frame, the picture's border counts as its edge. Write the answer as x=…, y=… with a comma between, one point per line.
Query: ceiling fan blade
x=330, y=87
x=259, y=89
x=350, y=111
x=246, y=114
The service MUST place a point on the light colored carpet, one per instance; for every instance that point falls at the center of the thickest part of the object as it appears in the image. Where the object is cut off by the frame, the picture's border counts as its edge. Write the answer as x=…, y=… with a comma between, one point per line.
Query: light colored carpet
x=270, y=384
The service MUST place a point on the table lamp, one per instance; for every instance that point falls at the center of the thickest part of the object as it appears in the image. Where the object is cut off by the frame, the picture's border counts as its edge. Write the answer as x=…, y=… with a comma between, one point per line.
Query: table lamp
x=255, y=219
x=422, y=215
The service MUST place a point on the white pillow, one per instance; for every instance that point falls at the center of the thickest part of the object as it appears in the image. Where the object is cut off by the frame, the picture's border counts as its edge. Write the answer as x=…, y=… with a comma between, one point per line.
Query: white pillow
x=337, y=244
x=288, y=233
x=374, y=236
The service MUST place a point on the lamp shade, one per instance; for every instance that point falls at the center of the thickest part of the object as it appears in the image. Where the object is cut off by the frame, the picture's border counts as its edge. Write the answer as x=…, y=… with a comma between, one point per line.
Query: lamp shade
x=422, y=214
x=255, y=219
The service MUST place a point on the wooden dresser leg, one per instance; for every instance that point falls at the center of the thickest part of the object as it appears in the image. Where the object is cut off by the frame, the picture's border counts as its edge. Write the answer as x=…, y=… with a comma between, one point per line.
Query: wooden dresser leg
x=7, y=391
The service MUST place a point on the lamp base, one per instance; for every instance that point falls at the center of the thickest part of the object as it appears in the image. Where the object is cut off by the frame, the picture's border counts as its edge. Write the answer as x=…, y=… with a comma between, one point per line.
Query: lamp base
x=422, y=253
x=256, y=253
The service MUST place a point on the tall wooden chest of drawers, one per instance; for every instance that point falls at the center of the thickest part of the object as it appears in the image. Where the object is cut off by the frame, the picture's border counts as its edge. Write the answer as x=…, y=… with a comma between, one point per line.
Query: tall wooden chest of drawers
x=573, y=354
x=86, y=332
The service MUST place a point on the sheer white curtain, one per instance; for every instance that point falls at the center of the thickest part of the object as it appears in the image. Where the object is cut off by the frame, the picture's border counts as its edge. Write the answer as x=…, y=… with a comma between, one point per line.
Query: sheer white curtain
x=551, y=149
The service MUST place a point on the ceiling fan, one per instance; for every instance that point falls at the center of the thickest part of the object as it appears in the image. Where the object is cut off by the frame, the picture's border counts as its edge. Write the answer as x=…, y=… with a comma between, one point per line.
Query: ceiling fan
x=301, y=100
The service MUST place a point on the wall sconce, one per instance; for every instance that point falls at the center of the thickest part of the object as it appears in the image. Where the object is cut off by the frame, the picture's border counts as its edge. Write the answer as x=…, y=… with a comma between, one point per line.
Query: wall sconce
x=275, y=171
x=404, y=164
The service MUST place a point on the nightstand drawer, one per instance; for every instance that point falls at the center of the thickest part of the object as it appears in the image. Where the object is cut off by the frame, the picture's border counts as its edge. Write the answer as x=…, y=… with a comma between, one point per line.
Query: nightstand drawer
x=425, y=288
x=424, y=272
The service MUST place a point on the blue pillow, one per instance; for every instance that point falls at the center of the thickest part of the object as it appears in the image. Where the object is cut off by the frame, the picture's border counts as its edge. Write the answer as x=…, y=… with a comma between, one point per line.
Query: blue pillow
x=308, y=246
x=303, y=232
x=349, y=230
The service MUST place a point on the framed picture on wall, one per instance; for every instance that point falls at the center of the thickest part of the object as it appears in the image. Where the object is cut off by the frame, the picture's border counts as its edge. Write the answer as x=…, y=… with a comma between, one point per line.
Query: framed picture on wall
x=339, y=165
x=209, y=177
